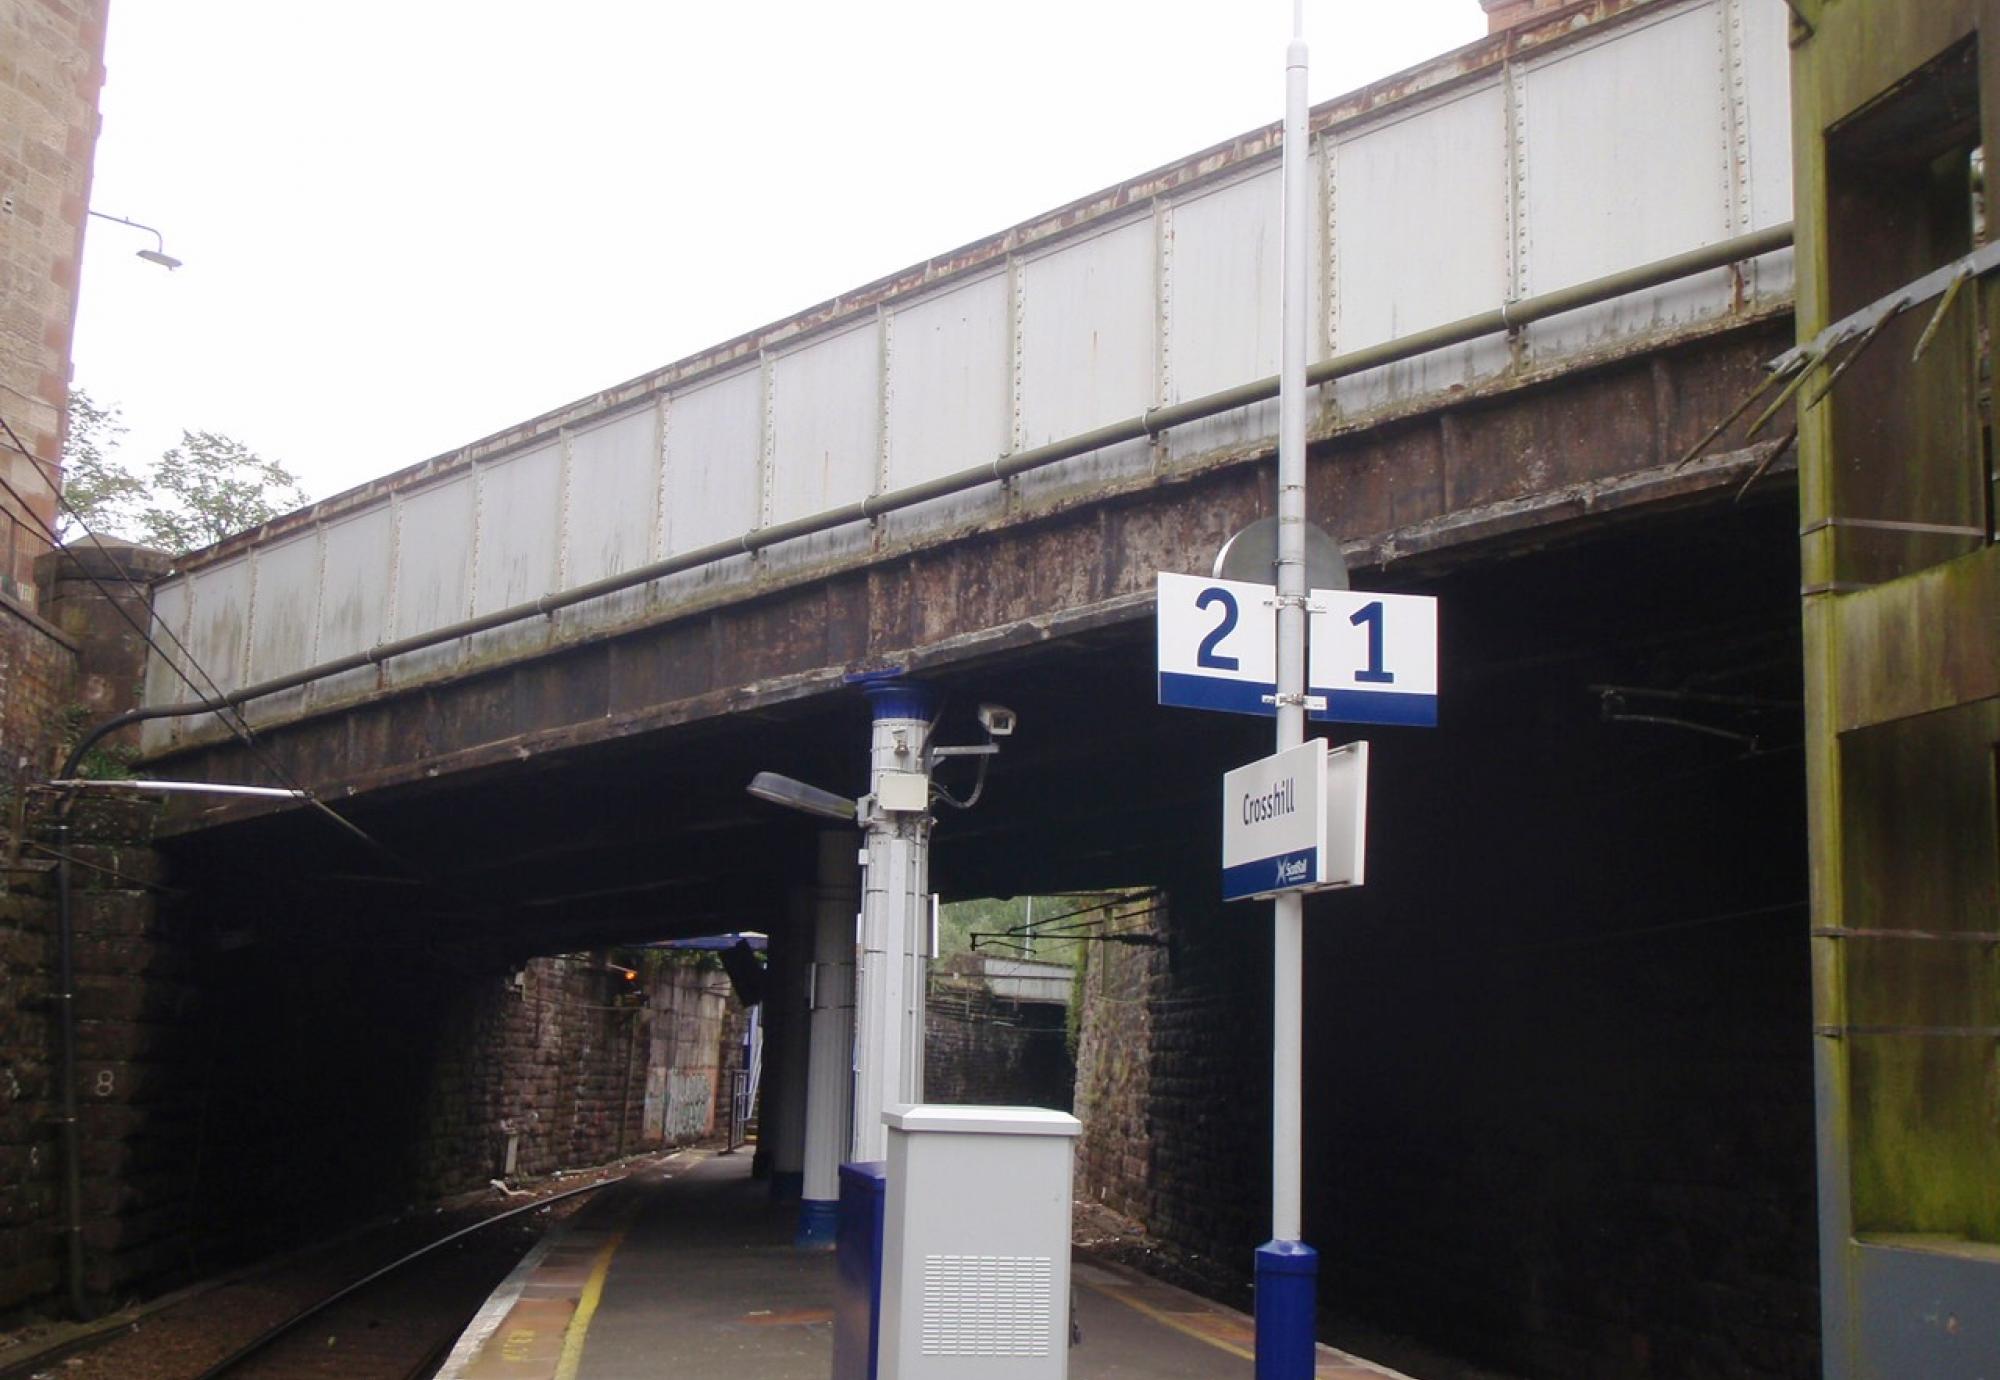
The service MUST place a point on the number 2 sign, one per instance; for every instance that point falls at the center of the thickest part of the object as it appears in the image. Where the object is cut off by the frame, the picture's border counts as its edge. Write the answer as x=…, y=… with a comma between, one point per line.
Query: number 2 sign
x=1218, y=644
x=1372, y=657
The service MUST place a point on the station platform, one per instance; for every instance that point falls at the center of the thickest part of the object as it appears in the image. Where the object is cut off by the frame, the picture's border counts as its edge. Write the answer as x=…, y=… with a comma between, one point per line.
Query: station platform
x=687, y=1269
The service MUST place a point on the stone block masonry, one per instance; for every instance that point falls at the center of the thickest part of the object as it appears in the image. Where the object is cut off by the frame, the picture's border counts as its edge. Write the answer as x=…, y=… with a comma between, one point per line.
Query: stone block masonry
x=242, y=1092
x=986, y=1050
x=689, y=1047
x=1114, y=1076
x=1211, y=1082
x=38, y=684
x=51, y=69
x=384, y=1078
x=562, y=1063
x=1172, y=1086
x=75, y=661
x=28, y=1183
x=133, y=980
x=98, y=595
x=1584, y=1159
x=242, y=1086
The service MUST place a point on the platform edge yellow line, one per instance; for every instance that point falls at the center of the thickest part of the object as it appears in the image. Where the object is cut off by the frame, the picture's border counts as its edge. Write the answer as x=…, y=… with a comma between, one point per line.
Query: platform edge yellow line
x=586, y=1308
x=1113, y=1291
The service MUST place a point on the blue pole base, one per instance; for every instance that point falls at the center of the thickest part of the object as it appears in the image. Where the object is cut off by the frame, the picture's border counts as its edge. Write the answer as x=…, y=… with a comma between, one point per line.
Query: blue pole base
x=817, y=1219
x=1287, y=1280
x=788, y=1186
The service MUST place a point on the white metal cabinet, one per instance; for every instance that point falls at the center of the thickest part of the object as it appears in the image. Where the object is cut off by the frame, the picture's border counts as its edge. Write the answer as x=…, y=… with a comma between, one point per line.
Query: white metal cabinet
x=975, y=1244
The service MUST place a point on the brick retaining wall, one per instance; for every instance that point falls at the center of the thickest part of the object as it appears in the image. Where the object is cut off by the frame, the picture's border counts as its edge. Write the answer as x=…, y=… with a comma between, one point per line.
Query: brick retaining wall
x=38, y=684
x=985, y=1050
x=238, y=1095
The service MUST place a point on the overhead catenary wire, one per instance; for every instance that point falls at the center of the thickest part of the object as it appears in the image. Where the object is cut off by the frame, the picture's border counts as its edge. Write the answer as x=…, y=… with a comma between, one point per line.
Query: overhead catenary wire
x=1598, y=939
x=182, y=661
x=1080, y=926
x=49, y=470
x=63, y=998
x=54, y=539
x=105, y=869
x=185, y=654
x=33, y=529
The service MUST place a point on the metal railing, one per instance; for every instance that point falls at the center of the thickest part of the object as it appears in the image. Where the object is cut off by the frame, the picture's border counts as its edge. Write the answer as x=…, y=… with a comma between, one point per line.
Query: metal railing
x=742, y=1099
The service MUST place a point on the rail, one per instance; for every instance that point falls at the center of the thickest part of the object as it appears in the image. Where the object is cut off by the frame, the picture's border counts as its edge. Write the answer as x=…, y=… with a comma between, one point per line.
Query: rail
x=272, y=1334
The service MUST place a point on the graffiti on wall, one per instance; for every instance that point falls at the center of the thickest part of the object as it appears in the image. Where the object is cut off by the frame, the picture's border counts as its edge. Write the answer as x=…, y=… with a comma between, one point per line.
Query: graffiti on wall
x=690, y=1102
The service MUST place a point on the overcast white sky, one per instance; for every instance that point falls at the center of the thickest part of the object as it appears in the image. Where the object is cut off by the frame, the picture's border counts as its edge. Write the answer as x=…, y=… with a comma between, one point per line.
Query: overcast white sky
x=408, y=223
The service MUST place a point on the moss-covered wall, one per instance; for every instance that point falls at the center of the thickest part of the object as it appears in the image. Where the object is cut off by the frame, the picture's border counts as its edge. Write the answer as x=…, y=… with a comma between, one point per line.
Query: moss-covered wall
x=1922, y=854
x=1902, y=722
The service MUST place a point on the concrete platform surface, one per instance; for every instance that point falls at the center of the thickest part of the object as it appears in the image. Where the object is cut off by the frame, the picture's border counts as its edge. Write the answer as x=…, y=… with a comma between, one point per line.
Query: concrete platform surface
x=688, y=1270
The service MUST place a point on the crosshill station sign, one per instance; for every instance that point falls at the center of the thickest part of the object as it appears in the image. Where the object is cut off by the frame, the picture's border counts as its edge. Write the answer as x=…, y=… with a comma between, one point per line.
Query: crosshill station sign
x=1296, y=821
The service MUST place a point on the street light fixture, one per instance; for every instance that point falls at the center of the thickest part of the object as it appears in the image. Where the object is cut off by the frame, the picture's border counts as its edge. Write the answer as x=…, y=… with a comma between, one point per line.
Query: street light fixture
x=797, y=795
x=158, y=253
x=895, y=821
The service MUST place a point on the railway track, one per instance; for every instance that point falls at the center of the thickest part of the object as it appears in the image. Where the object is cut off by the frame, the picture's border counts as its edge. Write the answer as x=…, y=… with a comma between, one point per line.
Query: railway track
x=398, y=1322
x=394, y=1321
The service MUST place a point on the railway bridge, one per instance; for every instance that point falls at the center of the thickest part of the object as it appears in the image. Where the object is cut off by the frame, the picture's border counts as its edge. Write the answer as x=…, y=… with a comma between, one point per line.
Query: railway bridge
x=972, y=470
x=1558, y=1059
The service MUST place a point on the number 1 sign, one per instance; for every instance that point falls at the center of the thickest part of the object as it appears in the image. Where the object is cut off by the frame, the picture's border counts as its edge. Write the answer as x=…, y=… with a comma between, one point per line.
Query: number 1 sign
x=1218, y=644
x=1374, y=657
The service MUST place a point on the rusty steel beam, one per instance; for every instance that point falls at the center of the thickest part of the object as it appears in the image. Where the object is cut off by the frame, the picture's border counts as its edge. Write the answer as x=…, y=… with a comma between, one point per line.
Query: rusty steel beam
x=1151, y=423
x=999, y=595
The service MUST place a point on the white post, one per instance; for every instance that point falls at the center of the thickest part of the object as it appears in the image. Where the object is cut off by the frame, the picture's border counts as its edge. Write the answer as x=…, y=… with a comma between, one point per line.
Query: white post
x=787, y=1040
x=1286, y=1267
x=830, y=1059
x=1291, y=625
x=894, y=920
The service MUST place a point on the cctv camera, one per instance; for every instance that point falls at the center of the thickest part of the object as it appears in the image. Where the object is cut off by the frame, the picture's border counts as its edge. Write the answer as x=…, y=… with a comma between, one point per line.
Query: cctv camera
x=996, y=719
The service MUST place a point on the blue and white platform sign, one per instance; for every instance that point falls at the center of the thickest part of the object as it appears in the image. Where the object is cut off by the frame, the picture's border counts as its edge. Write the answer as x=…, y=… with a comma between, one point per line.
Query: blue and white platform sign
x=1218, y=644
x=1296, y=821
x=1374, y=657
x=1274, y=823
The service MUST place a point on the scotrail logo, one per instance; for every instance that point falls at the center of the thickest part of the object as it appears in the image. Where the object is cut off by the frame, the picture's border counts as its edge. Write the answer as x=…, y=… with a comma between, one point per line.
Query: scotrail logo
x=1294, y=869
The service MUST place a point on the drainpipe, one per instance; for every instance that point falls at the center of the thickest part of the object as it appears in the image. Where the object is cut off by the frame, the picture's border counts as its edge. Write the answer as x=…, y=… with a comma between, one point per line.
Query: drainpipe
x=65, y=1000
x=65, y=995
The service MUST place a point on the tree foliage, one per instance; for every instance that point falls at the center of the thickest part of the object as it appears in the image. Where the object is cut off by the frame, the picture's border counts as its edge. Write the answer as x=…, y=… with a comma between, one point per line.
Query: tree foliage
x=212, y=486
x=101, y=494
x=208, y=487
